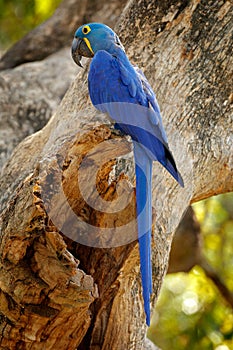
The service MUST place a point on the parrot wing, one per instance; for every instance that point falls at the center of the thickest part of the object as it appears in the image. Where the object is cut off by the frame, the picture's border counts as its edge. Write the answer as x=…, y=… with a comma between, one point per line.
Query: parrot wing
x=127, y=97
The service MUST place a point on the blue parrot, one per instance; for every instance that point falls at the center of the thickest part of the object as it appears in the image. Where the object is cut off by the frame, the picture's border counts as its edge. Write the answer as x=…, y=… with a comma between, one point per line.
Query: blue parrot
x=118, y=88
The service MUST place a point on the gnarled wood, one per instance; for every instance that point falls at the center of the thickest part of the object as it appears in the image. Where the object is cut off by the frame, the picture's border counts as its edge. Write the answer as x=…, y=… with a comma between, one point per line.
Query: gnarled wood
x=184, y=49
x=43, y=292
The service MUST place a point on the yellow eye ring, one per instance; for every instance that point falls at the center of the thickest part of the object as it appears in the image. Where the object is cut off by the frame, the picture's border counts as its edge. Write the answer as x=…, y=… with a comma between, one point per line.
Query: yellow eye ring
x=86, y=29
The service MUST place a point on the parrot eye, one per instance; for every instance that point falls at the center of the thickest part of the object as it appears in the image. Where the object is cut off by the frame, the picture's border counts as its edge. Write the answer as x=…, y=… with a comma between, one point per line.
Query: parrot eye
x=86, y=29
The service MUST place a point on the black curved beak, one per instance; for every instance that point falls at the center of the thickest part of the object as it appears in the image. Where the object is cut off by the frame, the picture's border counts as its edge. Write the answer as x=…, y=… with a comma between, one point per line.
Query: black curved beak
x=80, y=49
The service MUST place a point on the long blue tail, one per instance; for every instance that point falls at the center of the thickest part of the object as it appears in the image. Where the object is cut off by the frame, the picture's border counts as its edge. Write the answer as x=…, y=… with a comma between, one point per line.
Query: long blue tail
x=143, y=169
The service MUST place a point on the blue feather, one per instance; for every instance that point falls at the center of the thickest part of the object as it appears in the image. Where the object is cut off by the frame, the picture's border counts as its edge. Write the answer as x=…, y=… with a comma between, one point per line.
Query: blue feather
x=122, y=91
x=142, y=121
x=143, y=169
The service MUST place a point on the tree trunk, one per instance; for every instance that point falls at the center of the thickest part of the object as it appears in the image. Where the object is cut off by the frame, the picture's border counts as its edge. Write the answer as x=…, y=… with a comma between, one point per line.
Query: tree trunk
x=69, y=262
x=57, y=31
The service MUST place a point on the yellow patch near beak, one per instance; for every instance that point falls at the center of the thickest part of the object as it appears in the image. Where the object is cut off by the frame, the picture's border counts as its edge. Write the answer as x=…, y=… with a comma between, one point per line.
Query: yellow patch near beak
x=88, y=45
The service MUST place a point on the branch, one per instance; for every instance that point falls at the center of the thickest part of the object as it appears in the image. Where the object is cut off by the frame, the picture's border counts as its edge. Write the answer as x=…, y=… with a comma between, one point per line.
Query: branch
x=184, y=51
x=216, y=279
x=186, y=248
x=30, y=95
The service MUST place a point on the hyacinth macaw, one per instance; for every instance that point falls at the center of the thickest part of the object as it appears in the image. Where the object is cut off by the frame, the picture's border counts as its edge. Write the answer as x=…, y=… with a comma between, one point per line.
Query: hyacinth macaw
x=118, y=88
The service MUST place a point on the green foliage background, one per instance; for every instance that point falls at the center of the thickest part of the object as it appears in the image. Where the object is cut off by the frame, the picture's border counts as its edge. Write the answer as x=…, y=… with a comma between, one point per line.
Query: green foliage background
x=17, y=17
x=191, y=314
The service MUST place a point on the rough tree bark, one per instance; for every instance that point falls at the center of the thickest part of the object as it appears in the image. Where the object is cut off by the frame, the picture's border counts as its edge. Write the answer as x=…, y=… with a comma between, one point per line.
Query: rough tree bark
x=58, y=293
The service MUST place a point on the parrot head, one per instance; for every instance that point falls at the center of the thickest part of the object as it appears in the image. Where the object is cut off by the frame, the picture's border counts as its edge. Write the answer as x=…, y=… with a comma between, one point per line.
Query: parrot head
x=92, y=37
